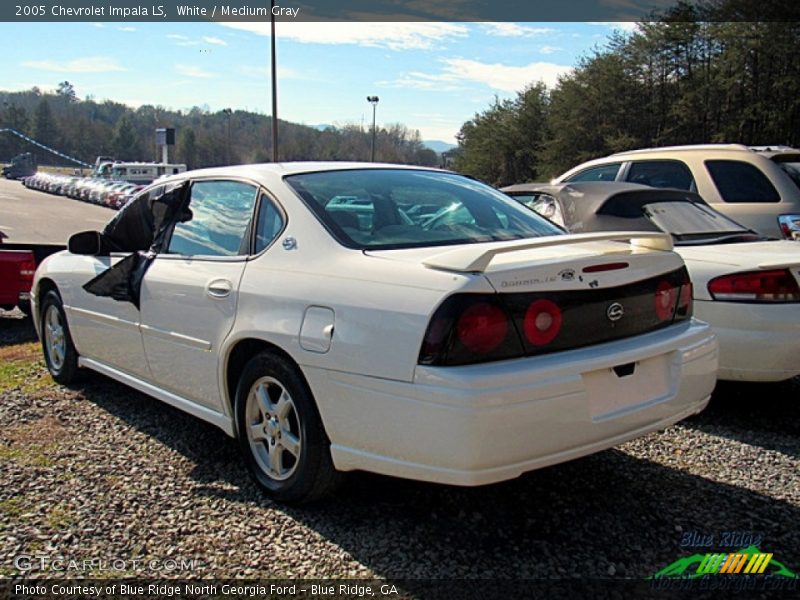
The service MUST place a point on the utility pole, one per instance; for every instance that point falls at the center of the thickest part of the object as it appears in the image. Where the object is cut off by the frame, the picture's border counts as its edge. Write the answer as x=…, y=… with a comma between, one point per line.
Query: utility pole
x=274, y=88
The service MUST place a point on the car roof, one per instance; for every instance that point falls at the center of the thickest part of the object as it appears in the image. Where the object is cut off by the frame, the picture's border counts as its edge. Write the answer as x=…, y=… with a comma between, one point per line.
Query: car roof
x=281, y=169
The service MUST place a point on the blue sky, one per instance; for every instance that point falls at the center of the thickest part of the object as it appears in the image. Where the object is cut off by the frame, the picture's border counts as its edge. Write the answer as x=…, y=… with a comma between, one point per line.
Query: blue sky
x=428, y=76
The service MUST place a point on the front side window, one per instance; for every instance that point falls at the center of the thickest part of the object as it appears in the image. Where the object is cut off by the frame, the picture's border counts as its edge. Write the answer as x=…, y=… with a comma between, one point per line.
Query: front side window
x=739, y=181
x=661, y=174
x=406, y=208
x=221, y=212
x=602, y=173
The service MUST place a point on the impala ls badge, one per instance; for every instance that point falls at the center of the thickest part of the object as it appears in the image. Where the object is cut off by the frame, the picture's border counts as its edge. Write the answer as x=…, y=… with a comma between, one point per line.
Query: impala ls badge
x=614, y=312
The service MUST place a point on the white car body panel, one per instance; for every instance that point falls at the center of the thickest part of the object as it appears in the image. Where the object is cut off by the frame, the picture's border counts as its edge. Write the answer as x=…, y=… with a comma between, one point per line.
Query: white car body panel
x=758, y=341
x=353, y=322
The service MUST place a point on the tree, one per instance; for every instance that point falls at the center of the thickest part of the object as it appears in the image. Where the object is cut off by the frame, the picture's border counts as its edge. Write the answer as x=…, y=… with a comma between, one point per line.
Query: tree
x=67, y=91
x=126, y=143
x=187, y=147
x=45, y=130
x=503, y=144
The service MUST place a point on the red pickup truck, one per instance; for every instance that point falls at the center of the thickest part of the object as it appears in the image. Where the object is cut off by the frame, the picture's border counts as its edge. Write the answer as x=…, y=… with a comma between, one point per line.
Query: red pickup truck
x=17, y=266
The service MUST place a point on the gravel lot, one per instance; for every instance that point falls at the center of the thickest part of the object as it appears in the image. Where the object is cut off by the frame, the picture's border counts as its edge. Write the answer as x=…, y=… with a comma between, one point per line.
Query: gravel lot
x=99, y=471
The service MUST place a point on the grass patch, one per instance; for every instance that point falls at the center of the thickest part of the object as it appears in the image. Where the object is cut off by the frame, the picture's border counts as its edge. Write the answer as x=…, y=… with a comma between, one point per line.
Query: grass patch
x=21, y=367
x=11, y=507
x=59, y=518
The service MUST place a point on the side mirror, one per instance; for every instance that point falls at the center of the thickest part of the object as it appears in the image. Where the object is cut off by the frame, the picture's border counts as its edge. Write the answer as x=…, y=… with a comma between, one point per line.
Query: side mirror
x=85, y=242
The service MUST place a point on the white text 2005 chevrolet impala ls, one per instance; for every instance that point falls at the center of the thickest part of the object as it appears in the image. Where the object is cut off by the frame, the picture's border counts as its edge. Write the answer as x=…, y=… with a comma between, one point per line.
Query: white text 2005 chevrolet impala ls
x=411, y=322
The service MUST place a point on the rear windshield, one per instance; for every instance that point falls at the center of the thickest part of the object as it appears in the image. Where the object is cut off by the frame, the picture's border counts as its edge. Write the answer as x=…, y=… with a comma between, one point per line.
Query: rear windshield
x=404, y=208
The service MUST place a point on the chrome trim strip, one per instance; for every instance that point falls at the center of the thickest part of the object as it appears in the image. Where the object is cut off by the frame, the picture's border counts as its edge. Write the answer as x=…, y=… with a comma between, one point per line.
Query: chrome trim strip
x=177, y=338
x=101, y=318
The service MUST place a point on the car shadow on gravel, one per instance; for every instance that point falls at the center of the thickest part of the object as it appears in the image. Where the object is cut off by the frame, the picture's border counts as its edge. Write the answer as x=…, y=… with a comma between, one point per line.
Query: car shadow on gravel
x=15, y=328
x=766, y=415
x=607, y=515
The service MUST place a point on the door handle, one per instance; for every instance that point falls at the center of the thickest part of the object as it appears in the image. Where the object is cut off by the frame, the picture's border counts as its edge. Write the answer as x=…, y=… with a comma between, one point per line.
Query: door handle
x=219, y=288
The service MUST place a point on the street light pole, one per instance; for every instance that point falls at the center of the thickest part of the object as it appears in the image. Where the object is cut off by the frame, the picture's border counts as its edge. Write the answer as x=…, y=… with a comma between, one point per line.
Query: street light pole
x=274, y=88
x=374, y=101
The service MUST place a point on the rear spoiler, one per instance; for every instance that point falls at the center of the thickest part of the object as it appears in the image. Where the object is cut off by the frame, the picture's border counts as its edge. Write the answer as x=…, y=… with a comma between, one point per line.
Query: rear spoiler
x=477, y=257
x=768, y=266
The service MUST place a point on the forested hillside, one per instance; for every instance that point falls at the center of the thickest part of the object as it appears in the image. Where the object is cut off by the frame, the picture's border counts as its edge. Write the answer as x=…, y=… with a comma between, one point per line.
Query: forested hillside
x=679, y=81
x=86, y=128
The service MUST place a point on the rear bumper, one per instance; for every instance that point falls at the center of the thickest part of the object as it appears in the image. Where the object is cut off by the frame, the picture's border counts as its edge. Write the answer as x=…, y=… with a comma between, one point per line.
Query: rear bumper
x=757, y=342
x=481, y=424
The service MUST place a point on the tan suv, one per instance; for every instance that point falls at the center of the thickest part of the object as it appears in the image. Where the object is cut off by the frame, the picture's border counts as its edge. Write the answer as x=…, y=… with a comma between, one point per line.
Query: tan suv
x=757, y=186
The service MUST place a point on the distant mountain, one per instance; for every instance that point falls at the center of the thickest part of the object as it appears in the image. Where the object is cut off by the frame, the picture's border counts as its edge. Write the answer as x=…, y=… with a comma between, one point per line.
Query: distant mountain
x=438, y=145
x=322, y=126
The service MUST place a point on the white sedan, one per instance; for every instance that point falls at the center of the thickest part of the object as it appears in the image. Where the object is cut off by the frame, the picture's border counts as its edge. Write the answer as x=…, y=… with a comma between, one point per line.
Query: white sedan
x=314, y=312
x=745, y=286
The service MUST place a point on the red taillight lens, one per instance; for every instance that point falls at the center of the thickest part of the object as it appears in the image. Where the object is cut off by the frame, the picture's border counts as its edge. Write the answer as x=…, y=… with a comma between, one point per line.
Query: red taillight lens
x=756, y=286
x=685, y=300
x=666, y=300
x=482, y=327
x=542, y=322
x=27, y=270
x=468, y=329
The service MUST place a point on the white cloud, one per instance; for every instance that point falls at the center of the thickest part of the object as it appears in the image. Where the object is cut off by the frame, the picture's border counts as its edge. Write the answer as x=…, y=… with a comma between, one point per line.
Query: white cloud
x=549, y=49
x=459, y=71
x=214, y=40
x=514, y=30
x=193, y=71
x=394, y=36
x=90, y=64
x=99, y=25
x=126, y=28
x=182, y=40
x=626, y=26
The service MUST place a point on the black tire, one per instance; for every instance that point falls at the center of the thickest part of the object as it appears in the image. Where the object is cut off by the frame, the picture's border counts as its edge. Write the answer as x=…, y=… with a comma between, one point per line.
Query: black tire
x=59, y=351
x=281, y=435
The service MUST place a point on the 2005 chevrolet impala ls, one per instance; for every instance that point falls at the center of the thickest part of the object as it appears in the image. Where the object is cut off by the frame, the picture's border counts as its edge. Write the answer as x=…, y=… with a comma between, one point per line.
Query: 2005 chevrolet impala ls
x=405, y=321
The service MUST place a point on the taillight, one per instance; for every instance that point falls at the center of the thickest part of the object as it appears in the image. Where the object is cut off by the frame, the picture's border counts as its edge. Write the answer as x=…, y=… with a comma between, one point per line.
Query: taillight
x=666, y=300
x=685, y=301
x=27, y=270
x=542, y=322
x=673, y=301
x=482, y=327
x=756, y=286
x=470, y=328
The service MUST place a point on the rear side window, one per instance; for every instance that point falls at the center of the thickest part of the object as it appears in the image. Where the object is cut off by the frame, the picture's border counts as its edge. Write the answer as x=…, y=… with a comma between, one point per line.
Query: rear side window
x=269, y=224
x=739, y=181
x=602, y=173
x=661, y=174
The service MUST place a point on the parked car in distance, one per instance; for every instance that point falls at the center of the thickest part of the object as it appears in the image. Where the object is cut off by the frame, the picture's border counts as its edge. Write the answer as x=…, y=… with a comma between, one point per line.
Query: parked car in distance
x=745, y=287
x=756, y=186
x=465, y=353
